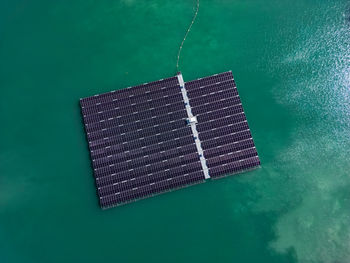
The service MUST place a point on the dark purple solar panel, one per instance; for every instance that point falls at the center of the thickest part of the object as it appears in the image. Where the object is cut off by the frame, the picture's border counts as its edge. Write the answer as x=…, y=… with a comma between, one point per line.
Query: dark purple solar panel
x=223, y=129
x=141, y=143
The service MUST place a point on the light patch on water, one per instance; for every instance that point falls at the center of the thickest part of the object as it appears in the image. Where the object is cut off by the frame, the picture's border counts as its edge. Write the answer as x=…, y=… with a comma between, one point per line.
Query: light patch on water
x=315, y=166
x=300, y=55
x=317, y=228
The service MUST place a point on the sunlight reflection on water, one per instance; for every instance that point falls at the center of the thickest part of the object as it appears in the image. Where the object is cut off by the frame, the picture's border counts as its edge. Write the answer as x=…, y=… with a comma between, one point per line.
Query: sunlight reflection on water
x=317, y=228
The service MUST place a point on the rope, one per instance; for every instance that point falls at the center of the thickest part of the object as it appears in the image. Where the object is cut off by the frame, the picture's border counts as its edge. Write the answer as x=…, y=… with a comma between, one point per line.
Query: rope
x=188, y=31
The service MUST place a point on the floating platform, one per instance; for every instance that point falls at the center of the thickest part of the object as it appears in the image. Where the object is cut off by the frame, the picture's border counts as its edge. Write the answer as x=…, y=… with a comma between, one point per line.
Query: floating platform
x=165, y=135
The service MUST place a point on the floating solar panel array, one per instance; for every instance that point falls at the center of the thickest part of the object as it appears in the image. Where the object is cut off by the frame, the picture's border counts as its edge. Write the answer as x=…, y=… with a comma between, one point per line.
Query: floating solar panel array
x=164, y=135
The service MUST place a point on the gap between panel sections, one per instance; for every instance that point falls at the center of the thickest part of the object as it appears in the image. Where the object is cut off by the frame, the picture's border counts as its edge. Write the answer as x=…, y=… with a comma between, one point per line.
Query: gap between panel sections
x=192, y=121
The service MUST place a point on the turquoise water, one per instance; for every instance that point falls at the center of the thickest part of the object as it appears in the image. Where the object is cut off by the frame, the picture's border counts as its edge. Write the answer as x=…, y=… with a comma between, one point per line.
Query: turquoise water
x=291, y=62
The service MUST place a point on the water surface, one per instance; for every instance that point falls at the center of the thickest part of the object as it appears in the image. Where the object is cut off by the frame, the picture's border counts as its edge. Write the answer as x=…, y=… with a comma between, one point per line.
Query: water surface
x=291, y=62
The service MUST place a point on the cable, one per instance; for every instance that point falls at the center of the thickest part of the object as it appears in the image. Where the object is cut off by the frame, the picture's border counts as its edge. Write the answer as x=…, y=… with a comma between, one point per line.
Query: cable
x=188, y=31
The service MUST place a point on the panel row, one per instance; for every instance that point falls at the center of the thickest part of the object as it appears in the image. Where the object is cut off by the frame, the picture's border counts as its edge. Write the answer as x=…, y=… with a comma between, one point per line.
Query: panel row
x=133, y=162
x=140, y=133
x=217, y=87
x=208, y=80
x=124, y=93
x=114, y=158
x=231, y=157
x=134, y=166
x=170, y=139
x=142, y=180
x=142, y=171
x=226, y=121
x=220, y=113
x=151, y=189
x=217, y=132
x=204, y=108
x=212, y=98
x=235, y=167
x=226, y=139
x=112, y=140
x=227, y=148
x=123, y=118
x=128, y=106
x=184, y=146
x=154, y=120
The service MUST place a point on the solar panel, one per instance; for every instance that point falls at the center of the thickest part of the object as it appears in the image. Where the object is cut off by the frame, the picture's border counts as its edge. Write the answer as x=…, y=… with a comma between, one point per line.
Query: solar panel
x=164, y=135
x=222, y=125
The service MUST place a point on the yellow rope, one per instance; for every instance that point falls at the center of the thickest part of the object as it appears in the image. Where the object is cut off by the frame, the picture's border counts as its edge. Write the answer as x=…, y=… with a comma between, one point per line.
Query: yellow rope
x=188, y=31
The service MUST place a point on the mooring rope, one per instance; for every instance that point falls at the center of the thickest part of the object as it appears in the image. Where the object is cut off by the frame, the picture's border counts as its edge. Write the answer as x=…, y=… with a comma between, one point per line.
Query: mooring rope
x=188, y=31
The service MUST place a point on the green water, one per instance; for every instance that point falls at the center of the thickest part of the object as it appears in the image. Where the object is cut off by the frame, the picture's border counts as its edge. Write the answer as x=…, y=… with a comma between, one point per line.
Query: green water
x=291, y=62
